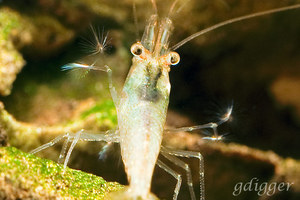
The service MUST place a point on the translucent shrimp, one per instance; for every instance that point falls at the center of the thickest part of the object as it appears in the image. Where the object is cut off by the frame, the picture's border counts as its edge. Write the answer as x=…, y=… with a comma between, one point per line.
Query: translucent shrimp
x=142, y=108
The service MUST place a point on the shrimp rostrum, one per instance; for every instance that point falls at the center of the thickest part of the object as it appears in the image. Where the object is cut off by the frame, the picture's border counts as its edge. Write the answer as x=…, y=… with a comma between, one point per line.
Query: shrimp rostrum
x=141, y=110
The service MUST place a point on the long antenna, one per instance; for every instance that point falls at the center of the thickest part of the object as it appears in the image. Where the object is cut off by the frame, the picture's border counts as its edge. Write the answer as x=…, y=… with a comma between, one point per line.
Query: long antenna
x=181, y=7
x=172, y=8
x=230, y=21
x=135, y=21
x=154, y=6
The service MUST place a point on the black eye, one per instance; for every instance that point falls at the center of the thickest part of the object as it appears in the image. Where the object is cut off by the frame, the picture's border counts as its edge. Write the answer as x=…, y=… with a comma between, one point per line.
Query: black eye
x=174, y=58
x=137, y=49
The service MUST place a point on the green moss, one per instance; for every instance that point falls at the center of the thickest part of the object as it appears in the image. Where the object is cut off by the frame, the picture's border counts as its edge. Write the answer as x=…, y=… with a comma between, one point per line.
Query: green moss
x=8, y=21
x=10, y=59
x=26, y=171
x=104, y=111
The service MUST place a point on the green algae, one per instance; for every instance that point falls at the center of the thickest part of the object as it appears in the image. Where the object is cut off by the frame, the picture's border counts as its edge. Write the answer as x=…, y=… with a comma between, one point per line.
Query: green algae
x=8, y=21
x=31, y=34
x=44, y=178
x=11, y=61
x=104, y=111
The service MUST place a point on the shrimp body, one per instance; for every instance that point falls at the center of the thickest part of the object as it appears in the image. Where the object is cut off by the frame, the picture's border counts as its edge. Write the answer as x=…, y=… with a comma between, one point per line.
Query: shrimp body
x=143, y=106
x=141, y=128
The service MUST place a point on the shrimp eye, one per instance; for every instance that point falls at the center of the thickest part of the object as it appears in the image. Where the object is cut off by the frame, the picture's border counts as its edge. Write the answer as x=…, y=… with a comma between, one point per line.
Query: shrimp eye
x=137, y=49
x=174, y=58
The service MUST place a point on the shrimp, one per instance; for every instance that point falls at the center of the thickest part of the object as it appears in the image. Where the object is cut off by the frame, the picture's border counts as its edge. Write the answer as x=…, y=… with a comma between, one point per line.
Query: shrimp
x=142, y=107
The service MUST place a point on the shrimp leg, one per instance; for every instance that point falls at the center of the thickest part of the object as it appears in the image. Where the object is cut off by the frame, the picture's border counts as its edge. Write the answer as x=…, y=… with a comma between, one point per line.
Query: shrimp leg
x=187, y=154
x=176, y=175
x=184, y=166
x=82, y=135
x=105, y=68
x=212, y=125
x=108, y=136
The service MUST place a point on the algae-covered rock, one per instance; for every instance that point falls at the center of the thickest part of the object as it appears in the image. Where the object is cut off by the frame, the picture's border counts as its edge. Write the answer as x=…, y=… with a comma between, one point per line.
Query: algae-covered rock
x=11, y=61
x=3, y=137
x=25, y=176
x=28, y=136
x=41, y=34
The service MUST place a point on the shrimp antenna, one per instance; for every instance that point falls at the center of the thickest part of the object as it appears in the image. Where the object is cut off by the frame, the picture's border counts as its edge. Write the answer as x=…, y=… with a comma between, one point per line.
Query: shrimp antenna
x=182, y=6
x=171, y=11
x=154, y=6
x=135, y=21
x=179, y=44
x=172, y=8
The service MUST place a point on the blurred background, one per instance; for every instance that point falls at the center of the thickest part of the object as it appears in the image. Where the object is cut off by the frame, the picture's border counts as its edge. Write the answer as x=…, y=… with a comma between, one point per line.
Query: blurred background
x=252, y=65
